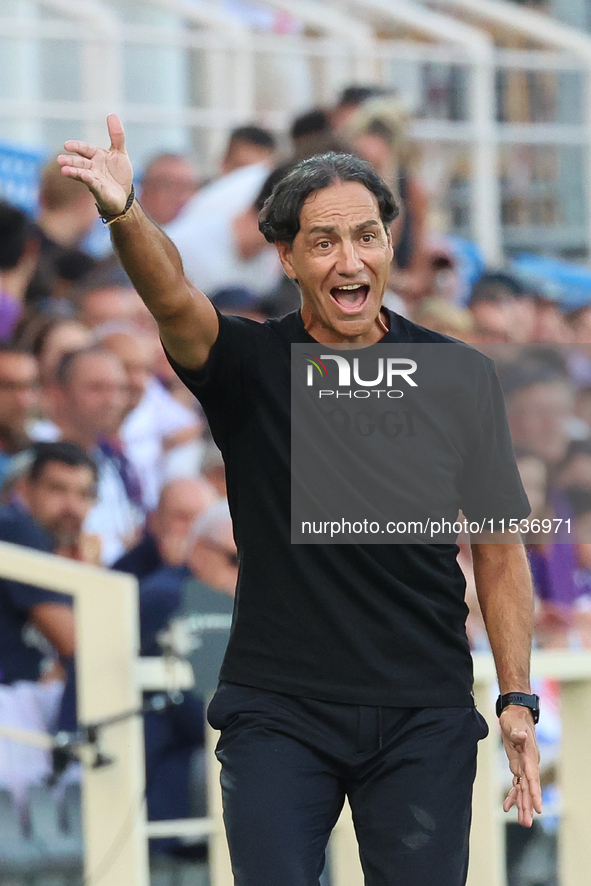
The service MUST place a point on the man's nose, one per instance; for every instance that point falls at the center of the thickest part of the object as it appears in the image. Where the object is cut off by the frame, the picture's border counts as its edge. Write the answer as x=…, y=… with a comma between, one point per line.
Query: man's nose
x=349, y=262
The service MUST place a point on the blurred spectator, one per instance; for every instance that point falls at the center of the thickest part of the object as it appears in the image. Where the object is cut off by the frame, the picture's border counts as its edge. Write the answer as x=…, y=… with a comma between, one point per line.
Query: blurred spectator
x=241, y=257
x=89, y=400
x=212, y=559
x=240, y=302
x=160, y=436
x=312, y=133
x=222, y=199
x=574, y=471
x=67, y=214
x=168, y=182
x=534, y=476
x=351, y=98
x=201, y=593
x=449, y=319
x=377, y=132
x=579, y=324
x=19, y=398
x=57, y=337
x=582, y=408
x=19, y=253
x=36, y=624
x=164, y=542
x=551, y=325
x=553, y=564
x=503, y=309
x=213, y=468
x=309, y=126
x=100, y=304
x=539, y=401
x=248, y=145
x=282, y=300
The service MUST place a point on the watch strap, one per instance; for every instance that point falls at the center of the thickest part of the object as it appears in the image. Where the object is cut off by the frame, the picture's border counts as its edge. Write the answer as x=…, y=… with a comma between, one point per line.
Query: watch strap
x=519, y=698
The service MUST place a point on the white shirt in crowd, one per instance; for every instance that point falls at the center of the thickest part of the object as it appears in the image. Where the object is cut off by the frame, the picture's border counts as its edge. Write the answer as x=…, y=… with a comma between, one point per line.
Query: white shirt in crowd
x=204, y=236
x=144, y=433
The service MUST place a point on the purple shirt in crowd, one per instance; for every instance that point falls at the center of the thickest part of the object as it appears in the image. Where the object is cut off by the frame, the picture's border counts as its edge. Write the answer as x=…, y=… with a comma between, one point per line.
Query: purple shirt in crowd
x=10, y=313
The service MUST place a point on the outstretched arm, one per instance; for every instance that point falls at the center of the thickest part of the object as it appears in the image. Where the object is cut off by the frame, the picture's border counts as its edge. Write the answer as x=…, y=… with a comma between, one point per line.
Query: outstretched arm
x=505, y=594
x=186, y=318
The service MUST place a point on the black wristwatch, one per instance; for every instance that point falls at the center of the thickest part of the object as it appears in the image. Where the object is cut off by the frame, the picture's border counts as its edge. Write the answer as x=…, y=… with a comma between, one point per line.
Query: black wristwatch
x=520, y=698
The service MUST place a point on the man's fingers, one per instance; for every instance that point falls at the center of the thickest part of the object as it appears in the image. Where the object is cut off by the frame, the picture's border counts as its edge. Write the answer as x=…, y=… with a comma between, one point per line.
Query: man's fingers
x=116, y=133
x=82, y=148
x=525, y=799
x=82, y=175
x=519, y=796
x=73, y=161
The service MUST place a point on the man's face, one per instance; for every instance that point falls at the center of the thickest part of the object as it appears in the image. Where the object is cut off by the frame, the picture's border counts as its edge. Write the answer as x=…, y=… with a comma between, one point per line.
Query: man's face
x=134, y=354
x=167, y=186
x=215, y=561
x=18, y=391
x=538, y=416
x=96, y=394
x=341, y=259
x=106, y=305
x=181, y=502
x=244, y=153
x=60, y=499
x=495, y=317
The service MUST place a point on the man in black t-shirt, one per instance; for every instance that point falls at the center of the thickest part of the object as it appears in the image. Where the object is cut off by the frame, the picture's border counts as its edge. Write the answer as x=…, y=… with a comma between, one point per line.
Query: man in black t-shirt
x=348, y=671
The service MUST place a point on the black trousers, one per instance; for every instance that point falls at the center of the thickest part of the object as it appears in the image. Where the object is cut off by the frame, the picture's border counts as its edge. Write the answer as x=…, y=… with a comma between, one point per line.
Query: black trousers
x=288, y=763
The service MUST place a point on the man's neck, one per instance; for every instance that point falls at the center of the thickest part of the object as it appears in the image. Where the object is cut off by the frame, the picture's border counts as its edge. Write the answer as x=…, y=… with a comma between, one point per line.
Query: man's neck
x=72, y=434
x=326, y=336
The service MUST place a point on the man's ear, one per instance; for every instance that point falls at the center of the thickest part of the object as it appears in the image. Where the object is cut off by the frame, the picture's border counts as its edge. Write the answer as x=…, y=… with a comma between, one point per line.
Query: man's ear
x=285, y=255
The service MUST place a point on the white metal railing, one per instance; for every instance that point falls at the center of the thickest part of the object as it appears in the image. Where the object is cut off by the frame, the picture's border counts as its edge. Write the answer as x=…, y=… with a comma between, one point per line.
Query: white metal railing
x=234, y=61
x=109, y=682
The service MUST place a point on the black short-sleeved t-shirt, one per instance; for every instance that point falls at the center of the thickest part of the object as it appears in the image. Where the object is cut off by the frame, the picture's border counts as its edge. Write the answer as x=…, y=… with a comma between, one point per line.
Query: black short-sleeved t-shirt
x=361, y=624
x=18, y=661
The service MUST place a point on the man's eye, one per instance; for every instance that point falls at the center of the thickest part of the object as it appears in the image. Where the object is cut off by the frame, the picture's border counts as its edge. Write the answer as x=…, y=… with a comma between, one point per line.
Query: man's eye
x=367, y=238
x=323, y=244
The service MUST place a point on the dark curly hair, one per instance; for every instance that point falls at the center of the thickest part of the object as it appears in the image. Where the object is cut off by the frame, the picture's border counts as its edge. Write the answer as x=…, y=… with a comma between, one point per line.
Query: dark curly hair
x=279, y=219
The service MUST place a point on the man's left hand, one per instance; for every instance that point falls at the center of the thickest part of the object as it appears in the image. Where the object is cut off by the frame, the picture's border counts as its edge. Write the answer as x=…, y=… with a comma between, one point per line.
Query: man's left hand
x=521, y=746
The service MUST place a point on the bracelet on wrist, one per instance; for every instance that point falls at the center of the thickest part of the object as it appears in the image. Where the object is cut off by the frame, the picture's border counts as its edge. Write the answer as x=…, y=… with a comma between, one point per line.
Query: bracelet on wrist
x=108, y=219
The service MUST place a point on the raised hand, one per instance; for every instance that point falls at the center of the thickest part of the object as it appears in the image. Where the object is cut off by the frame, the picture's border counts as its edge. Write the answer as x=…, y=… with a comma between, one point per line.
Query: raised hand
x=108, y=174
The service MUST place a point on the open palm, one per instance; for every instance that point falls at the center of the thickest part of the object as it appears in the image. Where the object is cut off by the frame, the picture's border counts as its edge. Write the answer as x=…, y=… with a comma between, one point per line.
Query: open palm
x=108, y=174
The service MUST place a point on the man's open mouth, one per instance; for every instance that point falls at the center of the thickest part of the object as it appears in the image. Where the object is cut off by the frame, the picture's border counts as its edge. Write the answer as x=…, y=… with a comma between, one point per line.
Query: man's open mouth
x=351, y=297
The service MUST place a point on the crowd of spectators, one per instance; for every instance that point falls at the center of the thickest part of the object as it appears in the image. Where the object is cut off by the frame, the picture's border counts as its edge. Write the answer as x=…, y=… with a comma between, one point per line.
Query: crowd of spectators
x=105, y=457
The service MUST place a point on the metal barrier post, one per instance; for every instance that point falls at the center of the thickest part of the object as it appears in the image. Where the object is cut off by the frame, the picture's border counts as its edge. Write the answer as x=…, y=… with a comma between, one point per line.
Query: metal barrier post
x=220, y=869
x=113, y=797
x=107, y=625
x=574, y=858
x=487, y=834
